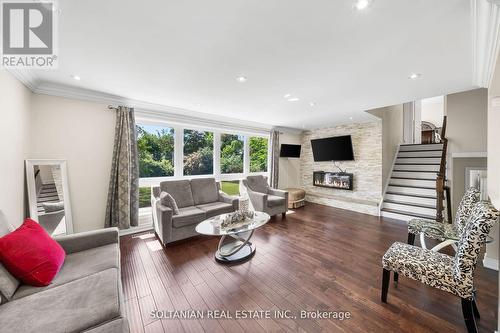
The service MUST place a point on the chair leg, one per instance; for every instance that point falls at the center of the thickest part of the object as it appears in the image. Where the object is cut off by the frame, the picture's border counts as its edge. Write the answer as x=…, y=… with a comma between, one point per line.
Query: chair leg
x=468, y=312
x=396, y=278
x=386, y=276
x=283, y=215
x=476, y=310
x=411, y=239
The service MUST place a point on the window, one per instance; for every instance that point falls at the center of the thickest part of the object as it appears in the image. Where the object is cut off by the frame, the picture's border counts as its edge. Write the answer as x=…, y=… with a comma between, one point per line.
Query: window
x=155, y=145
x=258, y=154
x=231, y=187
x=231, y=153
x=144, y=196
x=198, y=153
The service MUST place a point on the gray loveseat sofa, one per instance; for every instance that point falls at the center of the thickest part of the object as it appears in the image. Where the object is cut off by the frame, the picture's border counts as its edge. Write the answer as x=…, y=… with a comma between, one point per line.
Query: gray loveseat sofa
x=197, y=199
x=85, y=296
x=264, y=198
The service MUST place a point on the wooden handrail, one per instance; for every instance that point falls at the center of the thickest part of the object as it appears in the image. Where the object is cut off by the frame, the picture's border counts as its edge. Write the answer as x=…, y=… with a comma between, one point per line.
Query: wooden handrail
x=441, y=177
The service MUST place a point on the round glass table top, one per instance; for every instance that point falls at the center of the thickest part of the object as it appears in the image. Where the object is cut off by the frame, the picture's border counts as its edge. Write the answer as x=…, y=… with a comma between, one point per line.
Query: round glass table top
x=212, y=226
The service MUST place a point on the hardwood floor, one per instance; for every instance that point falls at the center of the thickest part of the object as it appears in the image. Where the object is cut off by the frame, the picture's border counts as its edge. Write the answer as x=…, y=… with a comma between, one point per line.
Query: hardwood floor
x=318, y=258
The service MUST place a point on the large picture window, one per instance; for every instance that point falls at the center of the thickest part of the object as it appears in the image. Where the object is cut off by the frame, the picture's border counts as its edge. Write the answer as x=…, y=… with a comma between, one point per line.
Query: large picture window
x=198, y=153
x=258, y=154
x=155, y=145
x=231, y=154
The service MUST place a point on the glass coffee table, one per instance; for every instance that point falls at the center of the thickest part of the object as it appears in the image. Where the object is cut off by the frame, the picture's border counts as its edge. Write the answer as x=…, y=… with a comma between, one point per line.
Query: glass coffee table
x=234, y=245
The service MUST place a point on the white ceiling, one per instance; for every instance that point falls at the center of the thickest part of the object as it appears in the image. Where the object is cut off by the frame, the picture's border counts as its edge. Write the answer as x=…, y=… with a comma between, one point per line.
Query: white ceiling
x=187, y=54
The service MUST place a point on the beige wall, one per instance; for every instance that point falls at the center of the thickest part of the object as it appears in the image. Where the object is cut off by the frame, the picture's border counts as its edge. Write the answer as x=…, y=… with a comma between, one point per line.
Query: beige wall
x=466, y=131
x=82, y=133
x=467, y=121
x=392, y=136
x=14, y=145
x=289, y=175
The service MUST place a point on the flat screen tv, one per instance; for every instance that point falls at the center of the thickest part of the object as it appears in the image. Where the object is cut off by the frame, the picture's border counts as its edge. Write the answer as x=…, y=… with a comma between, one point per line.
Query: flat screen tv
x=290, y=150
x=337, y=148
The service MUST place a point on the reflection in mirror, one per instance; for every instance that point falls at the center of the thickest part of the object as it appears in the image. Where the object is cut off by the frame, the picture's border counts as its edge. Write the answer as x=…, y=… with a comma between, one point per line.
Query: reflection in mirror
x=49, y=202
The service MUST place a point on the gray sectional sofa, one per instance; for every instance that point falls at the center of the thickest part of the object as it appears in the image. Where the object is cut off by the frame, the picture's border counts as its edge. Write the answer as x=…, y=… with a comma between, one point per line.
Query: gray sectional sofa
x=197, y=199
x=85, y=296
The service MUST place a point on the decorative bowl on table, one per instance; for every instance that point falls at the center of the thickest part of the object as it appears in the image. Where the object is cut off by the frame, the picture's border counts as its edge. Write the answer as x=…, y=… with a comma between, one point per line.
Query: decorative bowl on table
x=237, y=219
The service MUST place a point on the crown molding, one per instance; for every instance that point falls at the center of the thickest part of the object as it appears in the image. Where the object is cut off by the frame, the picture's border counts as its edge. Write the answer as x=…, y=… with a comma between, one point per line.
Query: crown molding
x=26, y=77
x=485, y=19
x=147, y=110
x=143, y=109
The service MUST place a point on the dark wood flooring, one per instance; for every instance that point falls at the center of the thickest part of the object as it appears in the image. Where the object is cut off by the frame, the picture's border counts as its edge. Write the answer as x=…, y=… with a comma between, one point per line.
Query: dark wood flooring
x=318, y=258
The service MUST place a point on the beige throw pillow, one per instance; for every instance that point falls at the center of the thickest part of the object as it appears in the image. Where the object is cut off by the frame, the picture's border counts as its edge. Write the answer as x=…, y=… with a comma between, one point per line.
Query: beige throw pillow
x=169, y=201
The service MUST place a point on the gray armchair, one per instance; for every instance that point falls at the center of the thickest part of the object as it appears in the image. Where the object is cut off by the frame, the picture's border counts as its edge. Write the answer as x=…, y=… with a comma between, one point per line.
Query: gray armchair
x=264, y=198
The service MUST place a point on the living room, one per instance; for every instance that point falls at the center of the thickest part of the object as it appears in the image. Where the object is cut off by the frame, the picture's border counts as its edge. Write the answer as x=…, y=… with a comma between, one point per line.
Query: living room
x=229, y=167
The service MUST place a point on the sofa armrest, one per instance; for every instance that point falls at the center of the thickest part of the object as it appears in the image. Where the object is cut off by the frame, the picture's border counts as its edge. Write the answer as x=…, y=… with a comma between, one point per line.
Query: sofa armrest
x=163, y=222
x=88, y=240
x=279, y=193
x=229, y=199
x=259, y=200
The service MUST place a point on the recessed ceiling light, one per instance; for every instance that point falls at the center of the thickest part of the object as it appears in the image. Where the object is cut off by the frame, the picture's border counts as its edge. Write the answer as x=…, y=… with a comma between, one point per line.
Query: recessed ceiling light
x=414, y=76
x=286, y=96
x=312, y=104
x=350, y=118
x=241, y=79
x=76, y=77
x=293, y=99
x=362, y=4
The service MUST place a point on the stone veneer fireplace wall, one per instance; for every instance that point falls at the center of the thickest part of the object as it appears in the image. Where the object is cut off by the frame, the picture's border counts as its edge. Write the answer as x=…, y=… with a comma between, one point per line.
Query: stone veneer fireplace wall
x=366, y=168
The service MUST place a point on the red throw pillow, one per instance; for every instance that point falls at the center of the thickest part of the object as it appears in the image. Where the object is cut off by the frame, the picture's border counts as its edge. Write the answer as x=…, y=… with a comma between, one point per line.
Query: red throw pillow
x=31, y=255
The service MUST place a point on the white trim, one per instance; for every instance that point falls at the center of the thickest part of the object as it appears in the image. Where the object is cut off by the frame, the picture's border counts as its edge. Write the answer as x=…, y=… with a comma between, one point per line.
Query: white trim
x=26, y=77
x=490, y=262
x=485, y=28
x=147, y=110
x=388, y=180
x=135, y=230
x=472, y=154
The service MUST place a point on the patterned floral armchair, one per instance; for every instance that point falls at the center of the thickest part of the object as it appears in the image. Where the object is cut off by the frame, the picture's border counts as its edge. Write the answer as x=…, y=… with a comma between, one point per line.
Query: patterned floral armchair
x=452, y=274
x=442, y=231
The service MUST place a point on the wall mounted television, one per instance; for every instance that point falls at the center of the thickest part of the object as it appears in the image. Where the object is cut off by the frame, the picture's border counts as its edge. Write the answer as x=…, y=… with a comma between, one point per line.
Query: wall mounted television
x=290, y=150
x=337, y=148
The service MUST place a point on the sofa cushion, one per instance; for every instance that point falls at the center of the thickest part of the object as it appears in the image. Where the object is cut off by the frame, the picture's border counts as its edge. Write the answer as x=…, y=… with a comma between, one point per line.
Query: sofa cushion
x=258, y=184
x=168, y=201
x=180, y=190
x=71, y=307
x=8, y=283
x=31, y=255
x=274, y=200
x=216, y=208
x=78, y=265
x=204, y=190
x=188, y=216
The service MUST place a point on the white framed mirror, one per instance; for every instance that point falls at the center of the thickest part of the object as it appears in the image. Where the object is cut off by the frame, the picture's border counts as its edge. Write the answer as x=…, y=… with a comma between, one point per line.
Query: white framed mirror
x=48, y=195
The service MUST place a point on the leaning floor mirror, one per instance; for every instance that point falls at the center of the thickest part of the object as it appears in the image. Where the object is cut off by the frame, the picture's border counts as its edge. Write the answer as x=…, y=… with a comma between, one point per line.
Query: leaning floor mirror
x=48, y=195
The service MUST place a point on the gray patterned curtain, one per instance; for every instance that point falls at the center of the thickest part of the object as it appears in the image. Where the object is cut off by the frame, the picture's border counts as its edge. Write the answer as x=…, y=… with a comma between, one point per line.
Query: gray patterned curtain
x=122, y=210
x=275, y=158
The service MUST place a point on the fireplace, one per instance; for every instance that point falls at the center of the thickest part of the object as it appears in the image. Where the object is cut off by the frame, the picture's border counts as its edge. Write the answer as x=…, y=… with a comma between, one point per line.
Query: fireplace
x=338, y=180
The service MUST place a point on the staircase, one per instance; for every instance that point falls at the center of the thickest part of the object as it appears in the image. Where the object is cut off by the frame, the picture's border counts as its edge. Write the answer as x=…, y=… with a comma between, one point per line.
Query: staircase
x=411, y=192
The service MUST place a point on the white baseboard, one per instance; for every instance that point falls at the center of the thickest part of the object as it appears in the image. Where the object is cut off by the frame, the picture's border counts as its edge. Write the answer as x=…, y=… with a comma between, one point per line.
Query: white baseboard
x=490, y=263
x=135, y=230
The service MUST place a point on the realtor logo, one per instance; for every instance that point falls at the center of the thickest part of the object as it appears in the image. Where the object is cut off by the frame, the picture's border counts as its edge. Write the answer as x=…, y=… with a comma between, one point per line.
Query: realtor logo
x=28, y=34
